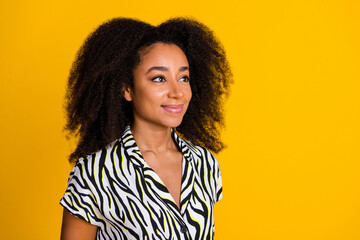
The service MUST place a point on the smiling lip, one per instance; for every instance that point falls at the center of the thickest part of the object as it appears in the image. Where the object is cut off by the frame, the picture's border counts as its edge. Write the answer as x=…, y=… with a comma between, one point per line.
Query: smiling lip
x=173, y=108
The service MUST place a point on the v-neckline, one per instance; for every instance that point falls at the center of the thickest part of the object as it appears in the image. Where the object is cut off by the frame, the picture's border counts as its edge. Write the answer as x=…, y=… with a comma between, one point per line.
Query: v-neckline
x=150, y=175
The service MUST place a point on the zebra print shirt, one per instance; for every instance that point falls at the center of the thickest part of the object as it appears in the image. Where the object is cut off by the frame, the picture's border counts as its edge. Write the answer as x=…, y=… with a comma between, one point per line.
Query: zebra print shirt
x=117, y=191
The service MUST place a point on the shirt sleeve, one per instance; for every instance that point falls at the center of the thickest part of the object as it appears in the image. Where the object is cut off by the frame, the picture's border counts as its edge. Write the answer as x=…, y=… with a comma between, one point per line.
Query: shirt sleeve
x=79, y=198
x=216, y=179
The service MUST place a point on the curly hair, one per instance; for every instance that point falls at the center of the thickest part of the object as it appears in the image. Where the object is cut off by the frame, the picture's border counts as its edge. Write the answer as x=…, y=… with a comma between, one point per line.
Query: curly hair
x=97, y=114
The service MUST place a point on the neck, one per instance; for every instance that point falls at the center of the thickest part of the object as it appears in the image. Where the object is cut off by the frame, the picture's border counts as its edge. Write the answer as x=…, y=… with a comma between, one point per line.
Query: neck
x=152, y=137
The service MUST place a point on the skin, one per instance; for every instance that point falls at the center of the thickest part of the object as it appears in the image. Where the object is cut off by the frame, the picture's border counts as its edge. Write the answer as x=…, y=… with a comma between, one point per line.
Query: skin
x=159, y=97
x=74, y=228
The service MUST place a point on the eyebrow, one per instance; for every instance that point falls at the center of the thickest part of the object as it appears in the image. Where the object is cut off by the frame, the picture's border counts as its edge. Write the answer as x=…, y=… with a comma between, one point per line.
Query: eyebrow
x=161, y=68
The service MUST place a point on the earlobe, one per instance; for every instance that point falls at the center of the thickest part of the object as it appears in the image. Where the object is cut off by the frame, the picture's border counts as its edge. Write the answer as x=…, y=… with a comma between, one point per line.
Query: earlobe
x=127, y=94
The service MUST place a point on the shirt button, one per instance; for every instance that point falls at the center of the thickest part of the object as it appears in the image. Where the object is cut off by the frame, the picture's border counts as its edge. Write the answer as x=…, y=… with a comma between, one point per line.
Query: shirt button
x=183, y=229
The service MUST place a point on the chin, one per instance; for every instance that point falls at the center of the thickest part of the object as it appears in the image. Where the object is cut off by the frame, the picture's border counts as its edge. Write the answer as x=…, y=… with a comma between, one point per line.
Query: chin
x=173, y=123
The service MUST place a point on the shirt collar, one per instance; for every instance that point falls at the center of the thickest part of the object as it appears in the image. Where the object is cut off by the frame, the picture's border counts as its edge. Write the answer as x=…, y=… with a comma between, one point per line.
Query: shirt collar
x=132, y=150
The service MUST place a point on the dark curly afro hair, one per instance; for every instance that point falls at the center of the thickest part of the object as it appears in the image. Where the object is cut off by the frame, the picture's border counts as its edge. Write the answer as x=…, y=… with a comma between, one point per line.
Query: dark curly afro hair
x=97, y=114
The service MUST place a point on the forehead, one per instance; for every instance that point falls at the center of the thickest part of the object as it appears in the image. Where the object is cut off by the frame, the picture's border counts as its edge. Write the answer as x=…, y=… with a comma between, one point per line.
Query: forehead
x=162, y=53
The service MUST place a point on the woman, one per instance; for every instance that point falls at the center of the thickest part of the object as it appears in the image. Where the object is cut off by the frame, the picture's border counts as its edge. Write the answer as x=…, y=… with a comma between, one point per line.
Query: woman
x=133, y=90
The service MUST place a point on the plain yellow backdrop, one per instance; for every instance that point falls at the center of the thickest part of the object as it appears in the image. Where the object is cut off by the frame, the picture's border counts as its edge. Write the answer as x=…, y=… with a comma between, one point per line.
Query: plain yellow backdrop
x=292, y=167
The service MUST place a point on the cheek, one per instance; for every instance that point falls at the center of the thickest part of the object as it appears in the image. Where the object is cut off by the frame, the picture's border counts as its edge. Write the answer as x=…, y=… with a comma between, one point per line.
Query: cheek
x=188, y=96
x=154, y=95
x=189, y=93
x=148, y=97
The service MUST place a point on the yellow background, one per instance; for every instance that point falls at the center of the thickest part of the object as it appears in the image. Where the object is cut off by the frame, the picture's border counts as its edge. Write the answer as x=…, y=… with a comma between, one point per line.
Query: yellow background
x=292, y=166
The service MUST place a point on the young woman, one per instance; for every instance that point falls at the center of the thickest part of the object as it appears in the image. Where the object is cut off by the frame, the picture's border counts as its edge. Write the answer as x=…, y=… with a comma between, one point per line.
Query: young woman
x=146, y=104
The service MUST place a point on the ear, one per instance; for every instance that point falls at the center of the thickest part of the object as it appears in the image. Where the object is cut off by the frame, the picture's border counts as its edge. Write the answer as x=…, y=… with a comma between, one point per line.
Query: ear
x=126, y=92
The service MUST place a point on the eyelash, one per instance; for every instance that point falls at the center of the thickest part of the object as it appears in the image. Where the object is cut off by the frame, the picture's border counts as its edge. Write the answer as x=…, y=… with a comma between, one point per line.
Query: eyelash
x=158, y=77
x=187, y=79
x=154, y=79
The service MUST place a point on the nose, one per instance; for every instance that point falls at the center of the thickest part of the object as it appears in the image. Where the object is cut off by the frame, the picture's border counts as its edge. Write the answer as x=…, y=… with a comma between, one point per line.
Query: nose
x=175, y=91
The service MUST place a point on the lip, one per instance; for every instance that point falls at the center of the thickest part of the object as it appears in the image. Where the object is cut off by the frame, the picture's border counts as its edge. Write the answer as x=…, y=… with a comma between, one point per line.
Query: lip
x=174, y=109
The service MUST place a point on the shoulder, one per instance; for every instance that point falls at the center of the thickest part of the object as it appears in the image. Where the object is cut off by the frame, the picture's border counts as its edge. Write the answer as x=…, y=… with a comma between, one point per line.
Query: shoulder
x=201, y=156
x=197, y=153
x=88, y=165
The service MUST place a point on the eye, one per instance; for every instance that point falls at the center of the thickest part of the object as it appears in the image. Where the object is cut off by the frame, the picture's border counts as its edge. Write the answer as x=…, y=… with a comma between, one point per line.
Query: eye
x=184, y=79
x=158, y=79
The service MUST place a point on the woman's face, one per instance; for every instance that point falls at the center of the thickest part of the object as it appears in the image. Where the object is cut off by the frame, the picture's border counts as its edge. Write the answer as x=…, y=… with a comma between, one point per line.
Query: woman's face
x=161, y=91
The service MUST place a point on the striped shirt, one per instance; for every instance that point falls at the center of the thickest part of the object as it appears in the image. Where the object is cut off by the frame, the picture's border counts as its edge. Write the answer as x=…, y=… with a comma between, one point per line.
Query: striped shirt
x=116, y=190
